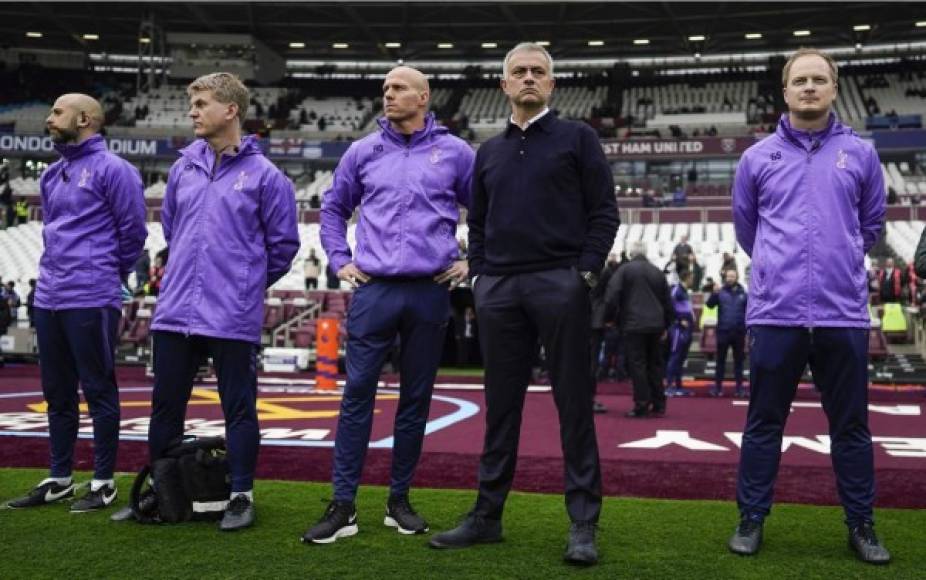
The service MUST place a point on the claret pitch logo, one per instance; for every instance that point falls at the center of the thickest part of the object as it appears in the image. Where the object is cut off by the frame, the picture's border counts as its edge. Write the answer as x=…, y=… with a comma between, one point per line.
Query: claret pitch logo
x=290, y=412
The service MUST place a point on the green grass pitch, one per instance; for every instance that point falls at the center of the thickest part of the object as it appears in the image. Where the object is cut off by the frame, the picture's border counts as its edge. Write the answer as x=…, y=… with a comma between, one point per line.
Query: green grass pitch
x=638, y=538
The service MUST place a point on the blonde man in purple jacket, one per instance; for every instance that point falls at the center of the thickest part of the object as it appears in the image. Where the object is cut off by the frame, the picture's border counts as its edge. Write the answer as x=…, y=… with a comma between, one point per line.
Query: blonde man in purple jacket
x=808, y=202
x=229, y=218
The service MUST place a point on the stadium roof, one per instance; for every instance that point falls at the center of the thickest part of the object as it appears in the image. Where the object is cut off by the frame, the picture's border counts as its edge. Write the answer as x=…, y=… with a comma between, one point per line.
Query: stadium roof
x=468, y=30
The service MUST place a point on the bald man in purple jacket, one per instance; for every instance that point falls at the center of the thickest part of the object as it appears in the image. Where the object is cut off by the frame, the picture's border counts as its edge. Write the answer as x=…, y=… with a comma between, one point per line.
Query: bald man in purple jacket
x=94, y=213
x=408, y=179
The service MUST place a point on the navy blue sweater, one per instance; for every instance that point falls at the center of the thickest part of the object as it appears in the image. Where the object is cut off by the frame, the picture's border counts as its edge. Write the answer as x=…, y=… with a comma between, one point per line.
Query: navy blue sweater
x=542, y=199
x=731, y=316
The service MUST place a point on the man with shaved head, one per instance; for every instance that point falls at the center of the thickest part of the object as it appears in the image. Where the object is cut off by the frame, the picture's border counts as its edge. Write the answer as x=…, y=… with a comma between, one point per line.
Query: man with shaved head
x=94, y=212
x=408, y=180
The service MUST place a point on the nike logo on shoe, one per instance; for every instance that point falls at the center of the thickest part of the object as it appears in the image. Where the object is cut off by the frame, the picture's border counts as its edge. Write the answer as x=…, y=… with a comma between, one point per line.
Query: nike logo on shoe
x=51, y=496
x=108, y=499
x=352, y=520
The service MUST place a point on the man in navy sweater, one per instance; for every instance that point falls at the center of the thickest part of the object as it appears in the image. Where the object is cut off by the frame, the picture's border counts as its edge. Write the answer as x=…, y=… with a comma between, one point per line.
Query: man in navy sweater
x=542, y=222
x=731, y=330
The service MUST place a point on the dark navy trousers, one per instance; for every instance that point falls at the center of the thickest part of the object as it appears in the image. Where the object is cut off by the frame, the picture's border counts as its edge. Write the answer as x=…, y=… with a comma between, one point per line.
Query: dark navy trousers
x=726, y=339
x=838, y=359
x=679, y=343
x=417, y=312
x=77, y=346
x=515, y=311
x=177, y=357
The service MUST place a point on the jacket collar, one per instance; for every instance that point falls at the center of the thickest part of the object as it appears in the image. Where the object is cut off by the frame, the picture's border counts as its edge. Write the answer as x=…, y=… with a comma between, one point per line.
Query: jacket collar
x=431, y=127
x=71, y=151
x=806, y=139
x=200, y=153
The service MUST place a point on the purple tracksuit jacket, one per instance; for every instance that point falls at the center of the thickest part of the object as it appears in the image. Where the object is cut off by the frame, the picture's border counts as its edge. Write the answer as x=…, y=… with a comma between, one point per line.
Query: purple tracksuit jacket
x=94, y=212
x=807, y=207
x=232, y=233
x=408, y=193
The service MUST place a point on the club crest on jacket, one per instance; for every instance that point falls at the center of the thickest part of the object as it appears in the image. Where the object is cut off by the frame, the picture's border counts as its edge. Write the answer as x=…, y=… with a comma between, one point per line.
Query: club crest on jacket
x=85, y=175
x=239, y=183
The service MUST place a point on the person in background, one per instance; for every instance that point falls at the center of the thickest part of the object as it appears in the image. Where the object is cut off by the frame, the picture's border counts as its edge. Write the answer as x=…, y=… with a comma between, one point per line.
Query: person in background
x=891, y=282
x=12, y=297
x=599, y=325
x=679, y=335
x=682, y=254
x=142, y=271
x=731, y=331
x=729, y=263
x=6, y=196
x=155, y=279
x=332, y=282
x=910, y=289
x=22, y=211
x=919, y=258
x=30, y=302
x=312, y=268
x=638, y=301
x=6, y=317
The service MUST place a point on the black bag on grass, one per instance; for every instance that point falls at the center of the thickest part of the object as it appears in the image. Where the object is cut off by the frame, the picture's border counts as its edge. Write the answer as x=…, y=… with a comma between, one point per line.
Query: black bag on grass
x=190, y=482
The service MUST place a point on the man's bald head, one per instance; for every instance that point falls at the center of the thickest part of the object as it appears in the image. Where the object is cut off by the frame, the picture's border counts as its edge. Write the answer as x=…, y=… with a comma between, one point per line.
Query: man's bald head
x=414, y=77
x=84, y=105
x=406, y=94
x=74, y=117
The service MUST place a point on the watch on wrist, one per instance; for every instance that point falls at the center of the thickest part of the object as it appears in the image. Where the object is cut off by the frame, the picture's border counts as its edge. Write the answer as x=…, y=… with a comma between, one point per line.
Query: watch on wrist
x=591, y=279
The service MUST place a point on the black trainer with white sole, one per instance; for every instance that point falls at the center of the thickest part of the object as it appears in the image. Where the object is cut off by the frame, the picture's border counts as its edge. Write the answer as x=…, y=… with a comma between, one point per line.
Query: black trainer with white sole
x=402, y=516
x=46, y=492
x=339, y=521
x=95, y=500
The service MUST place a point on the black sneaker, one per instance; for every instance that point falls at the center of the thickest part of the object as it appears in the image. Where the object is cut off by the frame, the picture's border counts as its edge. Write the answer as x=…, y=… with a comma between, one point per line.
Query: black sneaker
x=474, y=530
x=580, y=548
x=865, y=544
x=239, y=514
x=46, y=492
x=401, y=516
x=339, y=521
x=95, y=500
x=747, y=538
